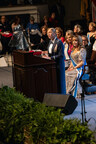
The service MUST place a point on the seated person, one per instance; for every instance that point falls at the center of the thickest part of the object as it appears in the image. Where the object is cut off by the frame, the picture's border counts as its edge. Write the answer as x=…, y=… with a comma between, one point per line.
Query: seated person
x=93, y=43
x=45, y=22
x=44, y=39
x=32, y=30
x=78, y=32
x=68, y=47
x=92, y=30
x=52, y=20
x=32, y=25
x=59, y=33
x=87, y=47
x=74, y=72
x=5, y=29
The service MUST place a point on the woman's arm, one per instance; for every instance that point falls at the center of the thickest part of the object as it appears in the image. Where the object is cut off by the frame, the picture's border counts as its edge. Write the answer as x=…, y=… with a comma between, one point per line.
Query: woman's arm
x=80, y=64
x=82, y=58
x=70, y=67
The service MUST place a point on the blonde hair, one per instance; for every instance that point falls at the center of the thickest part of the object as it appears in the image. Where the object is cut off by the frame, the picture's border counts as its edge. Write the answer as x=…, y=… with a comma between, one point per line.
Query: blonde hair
x=69, y=32
x=93, y=25
x=79, y=29
x=79, y=44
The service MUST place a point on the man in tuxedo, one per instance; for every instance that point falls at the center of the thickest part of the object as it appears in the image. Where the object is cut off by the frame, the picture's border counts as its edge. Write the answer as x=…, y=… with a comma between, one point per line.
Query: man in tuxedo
x=56, y=52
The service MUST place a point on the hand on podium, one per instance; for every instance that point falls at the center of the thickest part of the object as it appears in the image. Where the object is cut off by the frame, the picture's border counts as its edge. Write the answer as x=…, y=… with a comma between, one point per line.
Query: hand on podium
x=46, y=56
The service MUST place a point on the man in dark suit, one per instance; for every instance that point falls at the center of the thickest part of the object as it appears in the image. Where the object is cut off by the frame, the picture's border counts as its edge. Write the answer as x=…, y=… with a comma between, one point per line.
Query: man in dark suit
x=56, y=52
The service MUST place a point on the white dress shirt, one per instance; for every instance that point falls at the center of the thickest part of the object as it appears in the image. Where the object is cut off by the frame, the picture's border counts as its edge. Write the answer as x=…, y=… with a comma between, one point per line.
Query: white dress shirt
x=51, y=45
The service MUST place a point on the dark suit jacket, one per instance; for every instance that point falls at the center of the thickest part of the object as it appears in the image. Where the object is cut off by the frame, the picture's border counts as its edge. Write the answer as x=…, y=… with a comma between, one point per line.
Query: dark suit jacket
x=57, y=49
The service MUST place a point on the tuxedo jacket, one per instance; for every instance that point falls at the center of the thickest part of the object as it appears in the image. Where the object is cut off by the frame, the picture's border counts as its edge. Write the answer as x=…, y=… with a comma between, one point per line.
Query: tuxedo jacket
x=57, y=49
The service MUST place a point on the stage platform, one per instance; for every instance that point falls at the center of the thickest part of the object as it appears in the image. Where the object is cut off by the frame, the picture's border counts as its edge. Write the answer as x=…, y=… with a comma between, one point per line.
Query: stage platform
x=6, y=78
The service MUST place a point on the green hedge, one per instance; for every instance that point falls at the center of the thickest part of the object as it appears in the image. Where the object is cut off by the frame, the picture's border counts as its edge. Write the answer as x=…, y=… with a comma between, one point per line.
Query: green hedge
x=22, y=119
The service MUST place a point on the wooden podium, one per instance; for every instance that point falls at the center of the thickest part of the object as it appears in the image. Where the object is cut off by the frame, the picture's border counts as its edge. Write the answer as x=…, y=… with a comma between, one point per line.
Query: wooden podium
x=33, y=75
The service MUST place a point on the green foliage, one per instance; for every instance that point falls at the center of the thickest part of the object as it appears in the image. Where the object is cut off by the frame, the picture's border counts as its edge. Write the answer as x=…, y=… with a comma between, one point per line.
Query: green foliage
x=14, y=115
x=46, y=126
x=21, y=118
x=77, y=133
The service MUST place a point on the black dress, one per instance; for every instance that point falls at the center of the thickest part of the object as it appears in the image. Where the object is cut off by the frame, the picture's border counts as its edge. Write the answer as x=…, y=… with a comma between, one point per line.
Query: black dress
x=43, y=45
x=6, y=37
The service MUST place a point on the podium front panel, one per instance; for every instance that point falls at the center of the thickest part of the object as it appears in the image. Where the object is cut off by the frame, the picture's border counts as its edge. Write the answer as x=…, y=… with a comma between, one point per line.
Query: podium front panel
x=34, y=79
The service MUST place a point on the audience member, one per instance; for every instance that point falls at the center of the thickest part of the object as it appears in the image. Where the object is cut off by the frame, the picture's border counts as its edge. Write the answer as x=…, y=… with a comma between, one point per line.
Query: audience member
x=68, y=47
x=87, y=47
x=78, y=32
x=5, y=32
x=93, y=43
x=32, y=25
x=45, y=22
x=59, y=33
x=18, y=40
x=16, y=22
x=33, y=32
x=92, y=30
x=73, y=73
x=52, y=20
x=59, y=11
x=44, y=39
x=69, y=32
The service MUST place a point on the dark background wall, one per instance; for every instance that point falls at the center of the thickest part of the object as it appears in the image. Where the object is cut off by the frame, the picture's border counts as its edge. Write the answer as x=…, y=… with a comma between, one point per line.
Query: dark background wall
x=71, y=14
